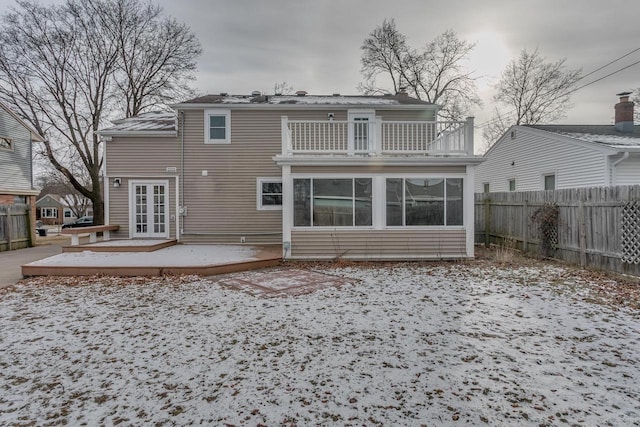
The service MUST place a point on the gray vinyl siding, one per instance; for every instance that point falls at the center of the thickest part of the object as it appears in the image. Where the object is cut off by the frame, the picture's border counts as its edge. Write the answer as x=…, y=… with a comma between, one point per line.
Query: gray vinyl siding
x=142, y=156
x=378, y=244
x=406, y=170
x=221, y=206
x=119, y=206
x=15, y=164
x=531, y=155
x=628, y=171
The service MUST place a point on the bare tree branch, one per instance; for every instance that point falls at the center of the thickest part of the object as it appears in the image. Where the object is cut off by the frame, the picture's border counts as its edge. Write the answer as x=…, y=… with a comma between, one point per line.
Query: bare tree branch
x=435, y=74
x=66, y=69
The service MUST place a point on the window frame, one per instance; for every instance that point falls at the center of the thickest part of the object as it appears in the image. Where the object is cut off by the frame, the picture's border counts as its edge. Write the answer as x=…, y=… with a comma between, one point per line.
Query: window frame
x=259, y=194
x=9, y=141
x=403, y=203
x=509, y=181
x=49, y=213
x=544, y=181
x=486, y=187
x=208, y=113
x=353, y=225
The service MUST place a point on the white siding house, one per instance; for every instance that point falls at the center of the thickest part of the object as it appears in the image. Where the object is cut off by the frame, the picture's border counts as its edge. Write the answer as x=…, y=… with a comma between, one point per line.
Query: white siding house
x=547, y=157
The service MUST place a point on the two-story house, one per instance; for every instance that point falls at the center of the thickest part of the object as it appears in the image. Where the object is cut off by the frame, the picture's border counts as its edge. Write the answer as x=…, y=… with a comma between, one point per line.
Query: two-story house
x=360, y=177
x=16, y=167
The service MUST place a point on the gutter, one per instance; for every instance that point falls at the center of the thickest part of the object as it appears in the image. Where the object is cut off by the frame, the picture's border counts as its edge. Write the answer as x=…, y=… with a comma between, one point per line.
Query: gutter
x=181, y=213
x=625, y=156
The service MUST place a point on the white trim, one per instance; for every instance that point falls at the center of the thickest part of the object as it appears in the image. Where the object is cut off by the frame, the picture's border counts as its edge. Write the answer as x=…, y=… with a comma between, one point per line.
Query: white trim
x=326, y=160
x=287, y=210
x=209, y=112
x=131, y=195
x=468, y=209
x=259, y=182
x=123, y=133
x=177, y=211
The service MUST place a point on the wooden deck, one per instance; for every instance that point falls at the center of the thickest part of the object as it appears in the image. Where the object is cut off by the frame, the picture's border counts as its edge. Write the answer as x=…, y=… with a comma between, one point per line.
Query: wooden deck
x=116, y=246
x=267, y=256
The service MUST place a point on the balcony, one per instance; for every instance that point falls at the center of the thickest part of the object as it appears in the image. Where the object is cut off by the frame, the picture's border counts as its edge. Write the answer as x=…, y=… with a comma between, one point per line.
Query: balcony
x=377, y=138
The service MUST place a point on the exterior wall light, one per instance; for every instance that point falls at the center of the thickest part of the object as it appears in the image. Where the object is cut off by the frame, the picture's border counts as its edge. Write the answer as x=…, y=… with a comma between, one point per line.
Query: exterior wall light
x=117, y=182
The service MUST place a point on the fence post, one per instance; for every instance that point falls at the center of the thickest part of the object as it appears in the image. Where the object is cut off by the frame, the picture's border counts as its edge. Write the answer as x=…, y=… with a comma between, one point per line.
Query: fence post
x=525, y=227
x=582, y=234
x=9, y=228
x=487, y=222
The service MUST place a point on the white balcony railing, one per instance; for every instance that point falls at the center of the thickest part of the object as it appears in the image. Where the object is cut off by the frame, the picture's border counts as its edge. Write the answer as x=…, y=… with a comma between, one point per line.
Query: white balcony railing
x=377, y=137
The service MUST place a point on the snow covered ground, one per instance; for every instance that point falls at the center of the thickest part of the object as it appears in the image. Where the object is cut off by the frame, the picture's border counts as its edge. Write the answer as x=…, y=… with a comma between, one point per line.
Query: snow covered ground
x=421, y=344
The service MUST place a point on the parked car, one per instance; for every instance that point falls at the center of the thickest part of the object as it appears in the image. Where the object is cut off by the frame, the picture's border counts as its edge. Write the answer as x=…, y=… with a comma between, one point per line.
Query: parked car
x=85, y=221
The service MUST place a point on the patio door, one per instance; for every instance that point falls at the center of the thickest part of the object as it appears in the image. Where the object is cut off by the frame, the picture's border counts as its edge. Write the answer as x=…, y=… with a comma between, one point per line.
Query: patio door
x=361, y=130
x=149, y=209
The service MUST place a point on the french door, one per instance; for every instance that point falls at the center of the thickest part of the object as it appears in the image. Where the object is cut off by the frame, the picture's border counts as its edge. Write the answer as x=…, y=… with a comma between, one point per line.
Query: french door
x=149, y=209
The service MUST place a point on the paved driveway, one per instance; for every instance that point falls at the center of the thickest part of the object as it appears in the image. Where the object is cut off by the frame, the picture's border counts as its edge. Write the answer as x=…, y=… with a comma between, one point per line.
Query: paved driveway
x=12, y=261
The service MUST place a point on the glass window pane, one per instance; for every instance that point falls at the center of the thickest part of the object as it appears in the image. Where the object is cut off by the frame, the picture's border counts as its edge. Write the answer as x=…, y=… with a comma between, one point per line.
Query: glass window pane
x=333, y=202
x=394, y=201
x=454, y=201
x=217, y=133
x=271, y=200
x=272, y=187
x=424, y=201
x=550, y=182
x=363, y=201
x=301, y=202
x=217, y=121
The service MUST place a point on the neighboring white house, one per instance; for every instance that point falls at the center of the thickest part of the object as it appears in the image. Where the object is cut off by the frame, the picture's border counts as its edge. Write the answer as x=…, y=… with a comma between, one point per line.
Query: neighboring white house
x=548, y=157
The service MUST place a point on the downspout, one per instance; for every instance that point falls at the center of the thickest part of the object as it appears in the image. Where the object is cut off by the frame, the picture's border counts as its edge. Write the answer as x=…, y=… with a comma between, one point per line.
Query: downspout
x=624, y=157
x=181, y=213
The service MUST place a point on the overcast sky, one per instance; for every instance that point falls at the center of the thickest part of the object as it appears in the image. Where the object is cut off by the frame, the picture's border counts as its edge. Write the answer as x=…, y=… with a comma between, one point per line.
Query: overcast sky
x=315, y=45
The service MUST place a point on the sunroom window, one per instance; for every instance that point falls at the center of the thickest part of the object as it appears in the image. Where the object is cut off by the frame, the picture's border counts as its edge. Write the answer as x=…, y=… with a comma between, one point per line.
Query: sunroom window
x=424, y=201
x=339, y=202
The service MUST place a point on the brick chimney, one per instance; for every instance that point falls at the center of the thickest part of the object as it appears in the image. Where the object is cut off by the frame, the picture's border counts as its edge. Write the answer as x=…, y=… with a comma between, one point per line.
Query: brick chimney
x=624, y=113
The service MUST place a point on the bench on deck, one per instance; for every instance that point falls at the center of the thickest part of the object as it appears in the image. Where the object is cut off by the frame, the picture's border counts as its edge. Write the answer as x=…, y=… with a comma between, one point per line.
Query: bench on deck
x=93, y=233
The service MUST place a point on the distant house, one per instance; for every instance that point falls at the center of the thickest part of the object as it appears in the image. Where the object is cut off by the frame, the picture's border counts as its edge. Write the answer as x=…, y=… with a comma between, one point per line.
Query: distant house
x=16, y=169
x=548, y=157
x=327, y=176
x=53, y=209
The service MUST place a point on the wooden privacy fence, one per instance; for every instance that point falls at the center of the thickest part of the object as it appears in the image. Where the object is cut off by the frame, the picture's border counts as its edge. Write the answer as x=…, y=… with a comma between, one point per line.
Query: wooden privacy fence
x=15, y=230
x=595, y=227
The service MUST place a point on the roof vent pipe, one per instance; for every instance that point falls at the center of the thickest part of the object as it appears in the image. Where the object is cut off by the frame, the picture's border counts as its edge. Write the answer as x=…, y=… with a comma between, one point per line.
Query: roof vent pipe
x=624, y=113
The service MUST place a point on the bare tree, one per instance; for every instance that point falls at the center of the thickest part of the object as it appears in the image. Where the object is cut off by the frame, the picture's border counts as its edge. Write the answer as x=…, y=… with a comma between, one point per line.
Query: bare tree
x=283, y=88
x=535, y=91
x=67, y=68
x=435, y=74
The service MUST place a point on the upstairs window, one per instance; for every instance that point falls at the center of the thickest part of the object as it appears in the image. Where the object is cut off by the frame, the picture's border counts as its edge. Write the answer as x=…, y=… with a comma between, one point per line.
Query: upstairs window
x=6, y=143
x=512, y=184
x=217, y=125
x=485, y=187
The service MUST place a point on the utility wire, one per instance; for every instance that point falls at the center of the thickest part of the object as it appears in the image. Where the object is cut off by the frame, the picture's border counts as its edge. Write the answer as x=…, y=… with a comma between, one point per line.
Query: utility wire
x=484, y=124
